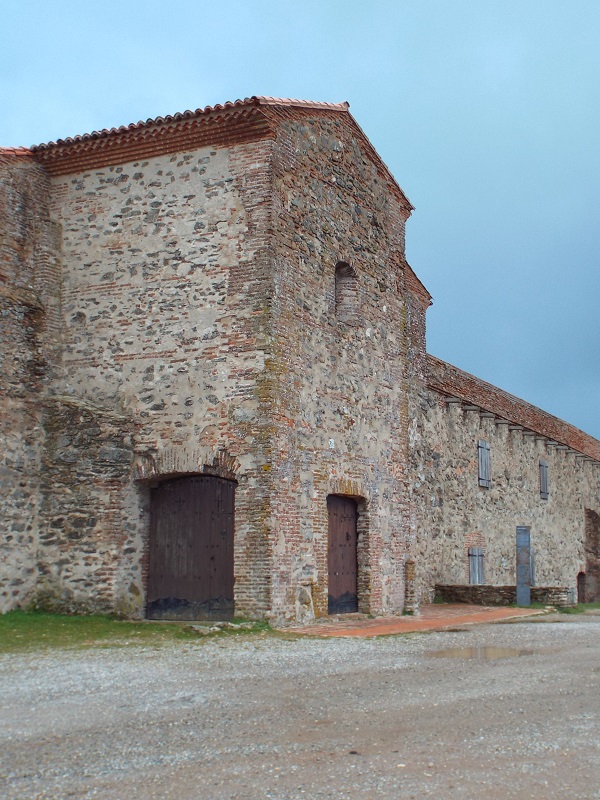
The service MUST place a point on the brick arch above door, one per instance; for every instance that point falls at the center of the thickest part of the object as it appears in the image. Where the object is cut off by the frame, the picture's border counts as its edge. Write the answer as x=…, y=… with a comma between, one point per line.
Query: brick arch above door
x=171, y=461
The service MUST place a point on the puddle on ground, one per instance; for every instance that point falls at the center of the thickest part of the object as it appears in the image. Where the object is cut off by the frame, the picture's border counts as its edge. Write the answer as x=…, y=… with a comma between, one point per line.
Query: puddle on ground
x=480, y=652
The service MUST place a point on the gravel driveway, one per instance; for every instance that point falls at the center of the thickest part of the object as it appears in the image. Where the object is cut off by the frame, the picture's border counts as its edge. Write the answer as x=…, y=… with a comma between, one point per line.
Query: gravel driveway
x=268, y=717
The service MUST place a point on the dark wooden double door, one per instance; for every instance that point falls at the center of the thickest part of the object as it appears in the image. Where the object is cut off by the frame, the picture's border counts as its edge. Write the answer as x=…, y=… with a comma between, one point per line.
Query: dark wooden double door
x=190, y=559
x=342, y=555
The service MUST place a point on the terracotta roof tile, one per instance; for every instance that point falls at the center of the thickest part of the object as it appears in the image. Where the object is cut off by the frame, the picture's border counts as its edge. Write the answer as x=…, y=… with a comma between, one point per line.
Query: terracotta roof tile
x=15, y=152
x=188, y=115
x=286, y=101
x=224, y=124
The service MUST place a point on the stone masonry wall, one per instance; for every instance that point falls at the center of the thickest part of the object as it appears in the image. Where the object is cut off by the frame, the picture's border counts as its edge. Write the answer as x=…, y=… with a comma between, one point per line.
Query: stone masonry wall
x=29, y=305
x=165, y=312
x=559, y=596
x=90, y=555
x=340, y=415
x=177, y=315
x=455, y=513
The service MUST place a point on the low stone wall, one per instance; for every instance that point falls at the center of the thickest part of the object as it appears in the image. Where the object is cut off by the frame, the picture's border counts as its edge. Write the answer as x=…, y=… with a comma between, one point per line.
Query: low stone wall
x=561, y=596
x=482, y=595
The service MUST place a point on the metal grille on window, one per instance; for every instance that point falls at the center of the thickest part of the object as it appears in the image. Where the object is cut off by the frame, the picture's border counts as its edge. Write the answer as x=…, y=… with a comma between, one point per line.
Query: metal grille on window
x=484, y=463
x=544, y=480
x=476, y=565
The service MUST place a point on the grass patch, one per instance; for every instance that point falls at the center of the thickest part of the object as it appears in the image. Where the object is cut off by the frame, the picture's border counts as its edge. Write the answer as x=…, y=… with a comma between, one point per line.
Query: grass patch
x=580, y=608
x=35, y=630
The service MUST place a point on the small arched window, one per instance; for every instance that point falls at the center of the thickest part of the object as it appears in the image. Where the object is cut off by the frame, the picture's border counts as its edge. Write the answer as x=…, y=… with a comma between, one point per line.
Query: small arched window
x=346, y=292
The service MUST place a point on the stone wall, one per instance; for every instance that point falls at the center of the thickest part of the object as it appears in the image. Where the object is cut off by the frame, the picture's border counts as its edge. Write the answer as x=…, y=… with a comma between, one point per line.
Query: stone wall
x=90, y=549
x=454, y=512
x=340, y=413
x=165, y=315
x=169, y=306
x=558, y=596
x=196, y=288
x=29, y=306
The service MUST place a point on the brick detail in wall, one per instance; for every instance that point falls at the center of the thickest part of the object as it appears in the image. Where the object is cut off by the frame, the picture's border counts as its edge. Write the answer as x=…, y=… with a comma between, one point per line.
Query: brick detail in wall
x=335, y=432
x=473, y=539
x=143, y=143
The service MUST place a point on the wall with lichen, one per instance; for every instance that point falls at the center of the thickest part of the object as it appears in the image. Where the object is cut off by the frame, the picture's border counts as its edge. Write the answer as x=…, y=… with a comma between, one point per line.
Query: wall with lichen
x=179, y=315
x=340, y=412
x=90, y=556
x=29, y=306
x=453, y=512
x=199, y=305
x=165, y=313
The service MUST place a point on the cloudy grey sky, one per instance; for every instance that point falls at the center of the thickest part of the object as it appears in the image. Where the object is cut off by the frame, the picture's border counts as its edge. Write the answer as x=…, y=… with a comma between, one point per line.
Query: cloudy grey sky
x=486, y=111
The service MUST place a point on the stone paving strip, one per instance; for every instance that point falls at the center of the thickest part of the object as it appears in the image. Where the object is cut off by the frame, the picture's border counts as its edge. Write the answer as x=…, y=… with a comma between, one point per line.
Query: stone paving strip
x=430, y=617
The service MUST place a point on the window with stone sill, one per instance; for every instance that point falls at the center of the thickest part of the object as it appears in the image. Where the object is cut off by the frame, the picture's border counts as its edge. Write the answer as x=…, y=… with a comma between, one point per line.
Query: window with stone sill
x=346, y=293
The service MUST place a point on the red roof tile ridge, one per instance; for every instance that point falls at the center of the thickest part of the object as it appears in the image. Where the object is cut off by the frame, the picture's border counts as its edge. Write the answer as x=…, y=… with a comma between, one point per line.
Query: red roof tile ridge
x=186, y=115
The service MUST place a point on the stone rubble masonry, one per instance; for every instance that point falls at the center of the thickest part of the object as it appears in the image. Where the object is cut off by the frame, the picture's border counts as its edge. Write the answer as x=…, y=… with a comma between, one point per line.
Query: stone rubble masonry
x=339, y=415
x=454, y=513
x=165, y=297
x=29, y=327
x=90, y=556
x=167, y=301
x=559, y=596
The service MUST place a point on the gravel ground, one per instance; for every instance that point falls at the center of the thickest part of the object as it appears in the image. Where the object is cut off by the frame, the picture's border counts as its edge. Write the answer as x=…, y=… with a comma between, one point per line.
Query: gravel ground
x=269, y=717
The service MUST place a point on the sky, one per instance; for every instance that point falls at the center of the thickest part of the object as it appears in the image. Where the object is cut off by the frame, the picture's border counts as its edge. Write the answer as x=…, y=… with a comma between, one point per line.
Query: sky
x=487, y=112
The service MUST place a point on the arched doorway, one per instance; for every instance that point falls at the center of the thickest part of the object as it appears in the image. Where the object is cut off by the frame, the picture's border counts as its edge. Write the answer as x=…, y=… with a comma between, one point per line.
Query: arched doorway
x=190, y=554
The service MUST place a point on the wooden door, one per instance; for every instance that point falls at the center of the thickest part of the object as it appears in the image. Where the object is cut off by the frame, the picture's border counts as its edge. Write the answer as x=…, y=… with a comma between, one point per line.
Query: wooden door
x=342, y=555
x=190, y=557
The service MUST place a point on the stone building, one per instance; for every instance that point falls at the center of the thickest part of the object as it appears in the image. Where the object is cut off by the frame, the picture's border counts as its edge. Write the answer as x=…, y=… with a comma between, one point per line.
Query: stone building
x=216, y=396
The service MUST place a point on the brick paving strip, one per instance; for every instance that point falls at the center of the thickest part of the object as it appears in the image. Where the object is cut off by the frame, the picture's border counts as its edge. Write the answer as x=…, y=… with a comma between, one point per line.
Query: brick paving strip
x=430, y=618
